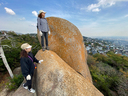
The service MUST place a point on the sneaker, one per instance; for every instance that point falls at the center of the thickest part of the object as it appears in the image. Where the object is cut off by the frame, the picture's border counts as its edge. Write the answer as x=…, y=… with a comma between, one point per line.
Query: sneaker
x=47, y=48
x=26, y=87
x=43, y=48
x=31, y=90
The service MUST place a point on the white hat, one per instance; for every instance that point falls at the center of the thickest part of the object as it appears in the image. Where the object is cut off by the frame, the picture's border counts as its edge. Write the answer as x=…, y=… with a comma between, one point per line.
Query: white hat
x=41, y=11
x=25, y=46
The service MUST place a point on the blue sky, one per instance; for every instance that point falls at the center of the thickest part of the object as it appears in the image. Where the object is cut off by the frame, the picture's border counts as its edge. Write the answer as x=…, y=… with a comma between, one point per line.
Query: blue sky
x=92, y=17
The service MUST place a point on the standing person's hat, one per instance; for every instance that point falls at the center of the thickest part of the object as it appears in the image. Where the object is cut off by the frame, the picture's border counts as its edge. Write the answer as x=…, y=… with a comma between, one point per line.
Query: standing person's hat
x=41, y=11
x=25, y=46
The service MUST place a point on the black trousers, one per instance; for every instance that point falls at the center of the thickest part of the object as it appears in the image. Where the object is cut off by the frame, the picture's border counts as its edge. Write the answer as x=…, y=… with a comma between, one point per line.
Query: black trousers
x=44, y=35
x=29, y=82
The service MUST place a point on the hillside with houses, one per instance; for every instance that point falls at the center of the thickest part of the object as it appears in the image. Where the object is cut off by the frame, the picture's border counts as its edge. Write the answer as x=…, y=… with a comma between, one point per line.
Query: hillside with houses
x=102, y=46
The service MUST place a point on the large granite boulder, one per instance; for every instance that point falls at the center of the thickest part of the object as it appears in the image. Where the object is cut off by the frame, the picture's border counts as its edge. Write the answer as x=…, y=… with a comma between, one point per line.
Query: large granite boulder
x=67, y=42
x=56, y=78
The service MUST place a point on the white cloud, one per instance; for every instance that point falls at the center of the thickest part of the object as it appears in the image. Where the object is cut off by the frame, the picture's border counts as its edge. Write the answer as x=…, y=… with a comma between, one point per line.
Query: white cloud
x=95, y=29
x=112, y=3
x=107, y=3
x=102, y=3
x=92, y=6
x=33, y=25
x=22, y=18
x=126, y=15
x=15, y=24
x=118, y=0
x=35, y=13
x=9, y=11
x=96, y=10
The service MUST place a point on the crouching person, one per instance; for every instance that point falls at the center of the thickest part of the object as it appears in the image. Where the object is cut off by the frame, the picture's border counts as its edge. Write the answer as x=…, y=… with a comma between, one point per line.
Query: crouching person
x=27, y=65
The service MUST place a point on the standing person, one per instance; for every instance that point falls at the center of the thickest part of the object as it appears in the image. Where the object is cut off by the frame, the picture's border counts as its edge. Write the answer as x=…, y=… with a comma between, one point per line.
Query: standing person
x=27, y=65
x=42, y=25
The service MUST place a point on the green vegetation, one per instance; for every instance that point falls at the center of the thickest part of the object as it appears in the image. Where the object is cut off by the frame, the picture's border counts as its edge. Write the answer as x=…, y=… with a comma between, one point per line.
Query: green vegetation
x=109, y=73
x=15, y=82
x=115, y=60
x=13, y=53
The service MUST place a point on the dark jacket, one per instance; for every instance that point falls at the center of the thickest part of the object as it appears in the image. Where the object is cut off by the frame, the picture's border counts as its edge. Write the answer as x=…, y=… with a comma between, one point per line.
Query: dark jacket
x=27, y=65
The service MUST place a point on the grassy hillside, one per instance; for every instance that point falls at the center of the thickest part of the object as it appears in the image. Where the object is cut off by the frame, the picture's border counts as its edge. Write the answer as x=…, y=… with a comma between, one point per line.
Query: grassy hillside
x=109, y=73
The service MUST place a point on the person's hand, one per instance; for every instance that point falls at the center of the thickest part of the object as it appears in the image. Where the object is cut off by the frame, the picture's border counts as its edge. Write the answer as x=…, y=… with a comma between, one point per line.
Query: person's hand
x=40, y=61
x=40, y=33
x=49, y=32
x=28, y=77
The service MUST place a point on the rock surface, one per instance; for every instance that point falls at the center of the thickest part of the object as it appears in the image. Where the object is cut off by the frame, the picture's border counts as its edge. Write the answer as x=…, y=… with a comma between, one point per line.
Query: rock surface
x=56, y=78
x=6, y=91
x=17, y=71
x=67, y=42
x=22, y=92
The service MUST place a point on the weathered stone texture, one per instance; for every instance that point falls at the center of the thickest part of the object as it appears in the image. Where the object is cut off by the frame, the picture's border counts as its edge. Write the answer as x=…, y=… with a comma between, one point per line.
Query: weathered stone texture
x=66, y=41
x=56, y=78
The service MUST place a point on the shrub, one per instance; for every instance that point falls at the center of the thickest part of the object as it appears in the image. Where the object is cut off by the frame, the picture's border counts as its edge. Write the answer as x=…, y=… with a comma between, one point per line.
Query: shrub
x=105, y=78
x=118, y=61
x=13, y=54
x=101, y=57
x=15, y=82
x=2, y=83
x=99, y=81
x=115, y=60
x=91, y=60
x=2, y=66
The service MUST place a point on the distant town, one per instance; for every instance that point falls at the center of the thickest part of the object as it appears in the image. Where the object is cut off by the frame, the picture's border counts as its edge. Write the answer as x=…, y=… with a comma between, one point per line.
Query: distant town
x=103, y=45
